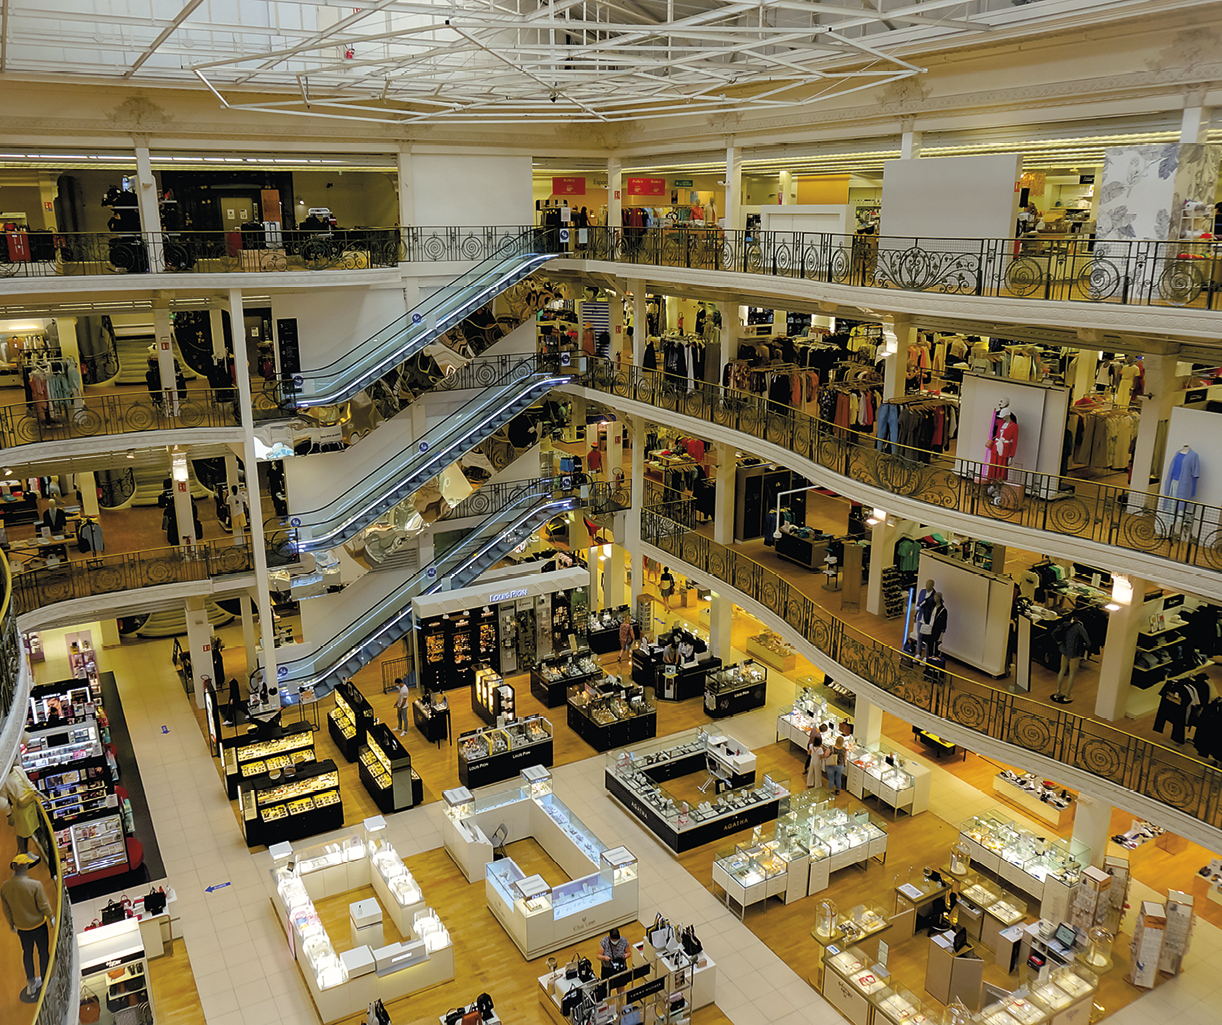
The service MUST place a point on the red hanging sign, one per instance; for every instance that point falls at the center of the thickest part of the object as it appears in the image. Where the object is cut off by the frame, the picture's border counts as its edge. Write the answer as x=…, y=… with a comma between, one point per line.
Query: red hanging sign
x=645, y=186
x=569, y=186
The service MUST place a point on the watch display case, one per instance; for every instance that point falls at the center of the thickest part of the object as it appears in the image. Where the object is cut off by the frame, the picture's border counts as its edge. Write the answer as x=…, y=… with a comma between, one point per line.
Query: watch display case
x=276, y=808
x=1017, y=856
x=606, y=722
x=736, y=688
x=852, y=981
x=602, y=629
x=386, y=770
x=748, y=874
x=578, y=834
x=490, y=695
x=551, y=678
x=493, y=754
x=350, y=719
x=244, y=756
x=890, y=775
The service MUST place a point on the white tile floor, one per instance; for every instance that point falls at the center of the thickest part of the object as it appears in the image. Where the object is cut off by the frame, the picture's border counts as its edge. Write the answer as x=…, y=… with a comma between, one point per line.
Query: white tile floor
x=241, y=962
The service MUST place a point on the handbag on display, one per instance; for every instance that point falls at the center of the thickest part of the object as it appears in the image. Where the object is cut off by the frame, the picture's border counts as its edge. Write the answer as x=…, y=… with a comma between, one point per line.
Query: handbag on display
x=155, y=901
x=472, y=1018
x=113, y=912
x=585, y=970
x=571, y=1001
x=570, y=969
x=483, y=1004
x=692, y=946
x=455, y=1016
x=631, y=1016
x=91, y=1010
x=661, y=933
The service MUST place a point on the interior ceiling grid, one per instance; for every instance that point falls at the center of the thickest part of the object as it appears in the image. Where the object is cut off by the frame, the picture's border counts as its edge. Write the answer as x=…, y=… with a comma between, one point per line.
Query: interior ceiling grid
x=512, y=61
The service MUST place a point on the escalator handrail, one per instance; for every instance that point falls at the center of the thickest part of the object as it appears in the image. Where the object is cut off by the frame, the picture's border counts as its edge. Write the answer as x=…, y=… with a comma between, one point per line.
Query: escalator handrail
x=546, y=489
x=500, y=267
x=393, y=472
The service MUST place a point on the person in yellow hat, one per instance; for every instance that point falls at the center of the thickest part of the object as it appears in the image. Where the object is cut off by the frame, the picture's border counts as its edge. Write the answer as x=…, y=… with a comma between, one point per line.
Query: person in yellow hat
x=29, y=914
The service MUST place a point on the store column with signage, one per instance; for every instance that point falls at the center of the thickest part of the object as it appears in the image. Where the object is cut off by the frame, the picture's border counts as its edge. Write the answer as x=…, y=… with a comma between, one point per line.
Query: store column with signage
x=632, y=522
x=184, y=510
x=1125, y=620
x=199, y=646
x=734, y=185
x=615, y=185
x=163, y=331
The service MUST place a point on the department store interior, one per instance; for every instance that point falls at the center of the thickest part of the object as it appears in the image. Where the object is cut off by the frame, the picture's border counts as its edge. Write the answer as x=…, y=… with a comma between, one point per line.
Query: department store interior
x=816, y=522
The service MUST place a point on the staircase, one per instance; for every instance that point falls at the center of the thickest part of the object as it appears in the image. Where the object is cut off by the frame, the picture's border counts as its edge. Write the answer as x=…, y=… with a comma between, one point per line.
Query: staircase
x=390, y=619
x=364, y=500
x=149, y=481
x=384, y=353
x=132, y=346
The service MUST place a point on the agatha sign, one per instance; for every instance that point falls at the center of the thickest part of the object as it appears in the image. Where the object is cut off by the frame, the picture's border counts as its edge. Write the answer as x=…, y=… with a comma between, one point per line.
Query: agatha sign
x=645, y=186
x=507, y=596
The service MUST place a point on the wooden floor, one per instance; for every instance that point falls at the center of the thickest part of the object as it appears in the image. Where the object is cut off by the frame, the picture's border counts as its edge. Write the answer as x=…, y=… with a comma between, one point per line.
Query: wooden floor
x=12, y=1010
x=175, y=998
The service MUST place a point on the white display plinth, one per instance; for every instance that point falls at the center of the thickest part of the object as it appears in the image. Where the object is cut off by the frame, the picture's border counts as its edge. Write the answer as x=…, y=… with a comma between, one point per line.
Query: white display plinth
x=365, y=923
x=704, y=979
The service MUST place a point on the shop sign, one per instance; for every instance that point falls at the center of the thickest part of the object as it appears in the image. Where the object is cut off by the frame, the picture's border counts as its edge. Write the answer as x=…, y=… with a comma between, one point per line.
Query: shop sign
x=651, y=987
x=645, y=186
x=1086, y=179
x=569, y=186
x=506, y=595
x=683, y=183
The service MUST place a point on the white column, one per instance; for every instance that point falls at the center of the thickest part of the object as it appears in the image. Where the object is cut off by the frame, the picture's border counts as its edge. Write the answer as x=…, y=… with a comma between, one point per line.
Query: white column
x=267, y=626
x=617, y=573
x=910, y=140
x=146, y=197
x=721, y=626
x=232, y=482
x=216, y=322
x=883, y=537
x=615, y=451
x=184, y=510
x=1092, y=825
x=248, y=635
x=615, y=187
x=407, y=198
x=87, y=485
x=640, y=323
x=199, y=645
x=1119, y=648
x=898, y=332
x=1084, y=375
x=110, y=633
x=734, y=185
x=867, y=722
x=723, y=515
x=1162, y=384
x=783, y=188
x=165, y=354
x=1194, y=124
x=48, y=192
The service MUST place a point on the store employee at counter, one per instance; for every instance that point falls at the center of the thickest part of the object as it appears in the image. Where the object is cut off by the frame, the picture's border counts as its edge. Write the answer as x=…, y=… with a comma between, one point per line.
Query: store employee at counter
x=682, y=650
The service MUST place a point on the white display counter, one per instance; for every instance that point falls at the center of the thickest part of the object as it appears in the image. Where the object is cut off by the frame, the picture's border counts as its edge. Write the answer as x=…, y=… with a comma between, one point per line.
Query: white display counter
x=602, y=889
x=903, y=787
x=344, y=985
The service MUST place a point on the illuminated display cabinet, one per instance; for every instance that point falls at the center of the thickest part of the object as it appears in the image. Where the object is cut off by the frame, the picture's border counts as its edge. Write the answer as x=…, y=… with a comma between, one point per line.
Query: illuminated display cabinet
x=386, y=771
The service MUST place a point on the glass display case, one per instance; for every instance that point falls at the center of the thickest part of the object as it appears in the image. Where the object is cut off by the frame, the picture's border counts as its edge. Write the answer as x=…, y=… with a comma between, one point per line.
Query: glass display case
x=748, y=874
x=395, y=874
x=551, y=678
x=899, y=1006
x=1023, y=1010
x=386, y=770
x=581, y=894
x=861, y=921
x=621, y=863
x=855, y=968
x=736, y=688
x=602, y=629
x=245, y=759
x=93, y=846
x=984, y=893
x=492, y=754
x=611, y=720
x=571, y=826
x=426, y=925
x=274, y=809
x=350, y=719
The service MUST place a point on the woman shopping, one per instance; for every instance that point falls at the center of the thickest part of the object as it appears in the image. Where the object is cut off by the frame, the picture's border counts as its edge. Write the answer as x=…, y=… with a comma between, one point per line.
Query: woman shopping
x=614, y=952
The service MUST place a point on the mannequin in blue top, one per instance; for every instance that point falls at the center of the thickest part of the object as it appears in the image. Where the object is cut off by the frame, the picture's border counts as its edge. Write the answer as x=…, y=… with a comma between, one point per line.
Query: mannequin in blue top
x=1180, y=484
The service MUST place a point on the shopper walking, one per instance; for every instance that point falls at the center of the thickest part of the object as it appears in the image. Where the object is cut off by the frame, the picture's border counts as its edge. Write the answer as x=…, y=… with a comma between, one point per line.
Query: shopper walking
x=627, y=634
x=666, y=585
x=835, y=767
x=814, y=767
x=1073, y=644
x=20, y=801
x=28, y=913
x=401, y=703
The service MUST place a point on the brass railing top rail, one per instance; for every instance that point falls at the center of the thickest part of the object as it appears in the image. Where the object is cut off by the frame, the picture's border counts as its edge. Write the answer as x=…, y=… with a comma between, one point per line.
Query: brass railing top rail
x=61, y=891
x=1161, y=773
x=1178, y=531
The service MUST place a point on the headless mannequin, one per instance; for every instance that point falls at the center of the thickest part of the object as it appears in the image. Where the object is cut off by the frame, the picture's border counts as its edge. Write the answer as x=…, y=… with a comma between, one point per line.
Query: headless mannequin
x=54, y=517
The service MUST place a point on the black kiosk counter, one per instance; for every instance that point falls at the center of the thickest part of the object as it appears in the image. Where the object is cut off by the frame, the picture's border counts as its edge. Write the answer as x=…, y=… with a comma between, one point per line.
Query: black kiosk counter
x=349, y=720
x=737, y=688
x=605, y=721
x=247, y=755
x=277, y=807
x=551, y=679
x=432, y=719
x=497, y=753
x=602, y=632
x=386, y=771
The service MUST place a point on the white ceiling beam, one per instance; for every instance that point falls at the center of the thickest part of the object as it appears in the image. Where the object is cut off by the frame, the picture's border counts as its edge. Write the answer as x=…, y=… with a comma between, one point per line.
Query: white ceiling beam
x=188, y=9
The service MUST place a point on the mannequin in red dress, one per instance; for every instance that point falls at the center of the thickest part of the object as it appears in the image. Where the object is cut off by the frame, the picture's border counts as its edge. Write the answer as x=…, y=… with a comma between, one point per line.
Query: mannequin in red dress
x=1002, y=445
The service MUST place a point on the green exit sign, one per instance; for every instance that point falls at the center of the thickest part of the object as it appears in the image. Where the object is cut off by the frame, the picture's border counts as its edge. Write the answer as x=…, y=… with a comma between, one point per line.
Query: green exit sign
x=682, y=183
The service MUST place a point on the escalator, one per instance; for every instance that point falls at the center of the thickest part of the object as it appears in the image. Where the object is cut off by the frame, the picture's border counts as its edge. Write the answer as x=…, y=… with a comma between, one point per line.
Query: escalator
x=365, y=364
x=362, y=501
x=523, y=510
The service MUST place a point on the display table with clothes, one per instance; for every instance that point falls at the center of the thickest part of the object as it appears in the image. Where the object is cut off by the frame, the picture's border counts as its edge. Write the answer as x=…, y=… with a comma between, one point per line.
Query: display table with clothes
x=802, y=545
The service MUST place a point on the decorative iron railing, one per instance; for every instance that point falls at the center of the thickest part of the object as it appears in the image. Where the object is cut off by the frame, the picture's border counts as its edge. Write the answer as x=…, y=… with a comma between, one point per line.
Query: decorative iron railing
x=60, y=993
x=1181, y=532
x=129, y=571
x=1174, y=779
x=101, y=413
x=10, y=644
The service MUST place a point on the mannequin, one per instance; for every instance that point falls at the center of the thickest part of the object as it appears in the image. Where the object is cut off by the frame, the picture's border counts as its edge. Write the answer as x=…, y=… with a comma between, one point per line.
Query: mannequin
x=1179, y=486
x=1003, y=443
x=54, y=518
x=925, y=592
x=932, y=624
x=1129, y=373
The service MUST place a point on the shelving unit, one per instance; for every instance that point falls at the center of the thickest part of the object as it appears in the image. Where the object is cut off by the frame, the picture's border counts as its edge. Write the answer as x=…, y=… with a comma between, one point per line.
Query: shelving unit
x=386, y=771
x=349, y=720
x=275, y=808
x=75, y=792
x=491, y=696
x=245, y=756
x=895, y=595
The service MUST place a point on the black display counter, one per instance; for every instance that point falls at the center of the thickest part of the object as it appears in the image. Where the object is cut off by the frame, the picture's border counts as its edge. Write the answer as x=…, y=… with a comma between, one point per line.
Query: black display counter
x=603, y=642
x=385, y=769
x=482, y=770
x=688, y=682
x=491, y=696
x=434, y=723
x=350, y=719
x=697, y=834
x=275, y=810
x=604, y=737
x=724, y=698
x=554, y=693
x=806, y=552
x=238, y=752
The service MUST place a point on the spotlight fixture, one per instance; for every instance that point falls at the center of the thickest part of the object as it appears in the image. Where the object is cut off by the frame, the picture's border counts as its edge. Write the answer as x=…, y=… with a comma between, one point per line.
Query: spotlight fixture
x=131, y=453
